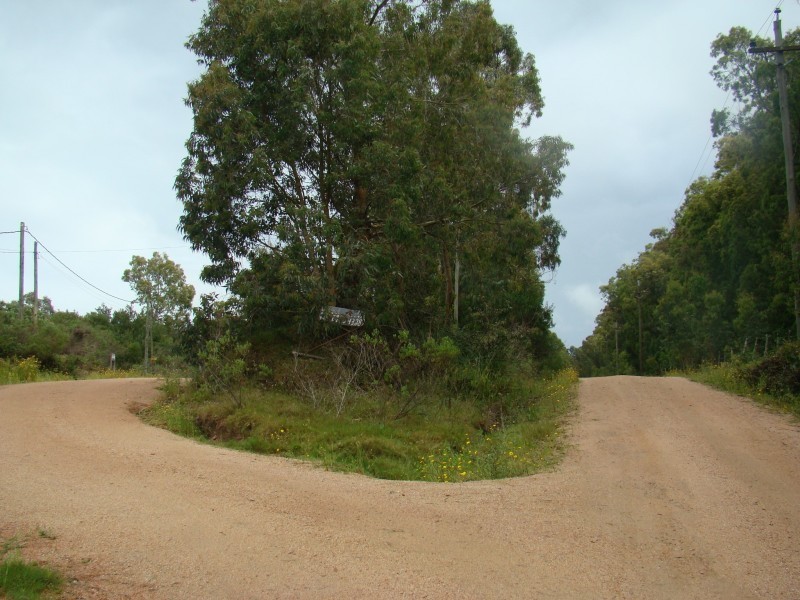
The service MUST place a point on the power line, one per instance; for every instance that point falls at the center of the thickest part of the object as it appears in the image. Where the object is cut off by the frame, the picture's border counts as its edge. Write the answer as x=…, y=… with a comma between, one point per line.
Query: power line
x=123, y=250
x=54, y=270
x=89, y=283
x=703, y=158
x=769, y=18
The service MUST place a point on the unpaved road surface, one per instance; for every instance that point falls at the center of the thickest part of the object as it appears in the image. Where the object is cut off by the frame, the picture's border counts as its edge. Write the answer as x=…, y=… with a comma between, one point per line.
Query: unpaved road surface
x=669, y=490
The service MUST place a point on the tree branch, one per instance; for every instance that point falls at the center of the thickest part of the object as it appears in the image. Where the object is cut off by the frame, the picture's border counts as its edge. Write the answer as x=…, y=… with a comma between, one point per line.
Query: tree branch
x=381, y=5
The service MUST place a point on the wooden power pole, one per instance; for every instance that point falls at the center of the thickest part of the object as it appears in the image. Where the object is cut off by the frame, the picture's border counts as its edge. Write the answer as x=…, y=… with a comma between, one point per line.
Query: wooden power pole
x=35, y=283
x=21, y=270
x=788, y=155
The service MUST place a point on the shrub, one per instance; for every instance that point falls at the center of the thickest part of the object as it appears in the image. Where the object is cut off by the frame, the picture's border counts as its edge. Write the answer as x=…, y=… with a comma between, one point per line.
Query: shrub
x=776, y=374
x=19, y=370
x=223, y=367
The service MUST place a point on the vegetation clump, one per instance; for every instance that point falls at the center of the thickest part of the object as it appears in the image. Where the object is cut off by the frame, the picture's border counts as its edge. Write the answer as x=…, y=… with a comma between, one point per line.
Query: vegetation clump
x=441, y=436
x=24, y=580
x=778, y=374
x=772, y=380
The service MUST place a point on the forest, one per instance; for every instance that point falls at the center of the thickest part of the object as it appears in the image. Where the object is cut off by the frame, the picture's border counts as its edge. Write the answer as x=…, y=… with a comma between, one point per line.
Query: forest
x=720, y=283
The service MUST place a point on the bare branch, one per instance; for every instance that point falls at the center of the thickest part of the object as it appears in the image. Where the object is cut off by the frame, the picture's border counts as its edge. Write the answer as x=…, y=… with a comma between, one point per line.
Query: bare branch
x=381, y=5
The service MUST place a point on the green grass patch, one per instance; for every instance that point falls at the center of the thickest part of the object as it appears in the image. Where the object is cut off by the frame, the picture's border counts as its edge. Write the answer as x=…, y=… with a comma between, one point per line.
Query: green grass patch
x=24, y=580
x=732, y=378
x=517, y=431
x=21, y=580
x=29, y=370
x=114, y=374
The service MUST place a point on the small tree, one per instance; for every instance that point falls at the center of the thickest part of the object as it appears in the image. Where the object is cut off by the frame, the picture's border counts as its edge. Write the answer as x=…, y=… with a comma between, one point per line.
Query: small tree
x=161, y=288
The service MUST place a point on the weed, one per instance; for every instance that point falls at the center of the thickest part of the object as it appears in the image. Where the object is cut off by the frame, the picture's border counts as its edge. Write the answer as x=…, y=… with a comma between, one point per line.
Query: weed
x=746, y=380
x=12, y=544
x=20, y=580
x=46, y=534
x=23, y=370
x=439, y=441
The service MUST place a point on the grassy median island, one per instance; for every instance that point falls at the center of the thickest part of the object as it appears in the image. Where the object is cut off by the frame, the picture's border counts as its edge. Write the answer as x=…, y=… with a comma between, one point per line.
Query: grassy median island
x=447, y=425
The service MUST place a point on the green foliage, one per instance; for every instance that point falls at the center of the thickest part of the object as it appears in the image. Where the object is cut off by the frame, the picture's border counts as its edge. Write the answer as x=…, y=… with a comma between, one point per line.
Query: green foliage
x=777, y=374
x=20, y=580
x=403, y=373
x=23, y=580
x=367, y=154
x=722, y=278
x=19, y=371
x=768, y=381
x=161, y=288
x=72, y=345
x=360, y=438
x=223, y=368
x=529, y=442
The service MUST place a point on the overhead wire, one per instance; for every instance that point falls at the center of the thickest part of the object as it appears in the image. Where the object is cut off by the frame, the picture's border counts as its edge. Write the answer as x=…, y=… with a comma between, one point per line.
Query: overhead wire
x=764, y=24
x=54, y=270
x=706, y=153
x=83, y=279
x=122, y=250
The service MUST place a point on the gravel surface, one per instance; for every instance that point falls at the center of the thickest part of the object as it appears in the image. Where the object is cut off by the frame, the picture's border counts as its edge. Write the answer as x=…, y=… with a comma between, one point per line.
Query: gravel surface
x=669, y=490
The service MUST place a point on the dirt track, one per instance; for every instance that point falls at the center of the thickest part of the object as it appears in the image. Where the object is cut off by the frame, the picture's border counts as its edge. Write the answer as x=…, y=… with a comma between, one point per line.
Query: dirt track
x=670, y=491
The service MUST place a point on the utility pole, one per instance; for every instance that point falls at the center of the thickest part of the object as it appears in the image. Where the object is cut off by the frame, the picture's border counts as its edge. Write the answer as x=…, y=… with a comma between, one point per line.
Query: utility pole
x=21, y=269
x=35, y=283
x=639, y=294
x=788, y=155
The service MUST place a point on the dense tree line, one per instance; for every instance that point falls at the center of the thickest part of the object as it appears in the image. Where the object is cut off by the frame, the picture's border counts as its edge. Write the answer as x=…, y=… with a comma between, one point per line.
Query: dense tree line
x=721, y=280
x=67, y=342
x=366, y=154
x=156, y=334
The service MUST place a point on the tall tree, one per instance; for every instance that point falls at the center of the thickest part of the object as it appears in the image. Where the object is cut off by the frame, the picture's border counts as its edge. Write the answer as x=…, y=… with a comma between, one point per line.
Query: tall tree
x=726, y=269
x=161, y=289
x=363, y=153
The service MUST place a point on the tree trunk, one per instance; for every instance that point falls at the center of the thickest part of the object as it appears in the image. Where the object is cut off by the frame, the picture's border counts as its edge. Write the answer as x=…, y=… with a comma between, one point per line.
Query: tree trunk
x=448, y=285
x=148, y=341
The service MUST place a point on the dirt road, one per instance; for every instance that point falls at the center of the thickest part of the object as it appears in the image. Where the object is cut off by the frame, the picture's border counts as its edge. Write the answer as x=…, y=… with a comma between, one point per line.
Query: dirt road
x=669, y=491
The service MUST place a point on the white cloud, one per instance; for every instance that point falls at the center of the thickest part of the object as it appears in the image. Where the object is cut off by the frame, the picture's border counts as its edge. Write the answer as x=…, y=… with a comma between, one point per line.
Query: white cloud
x=585, y=298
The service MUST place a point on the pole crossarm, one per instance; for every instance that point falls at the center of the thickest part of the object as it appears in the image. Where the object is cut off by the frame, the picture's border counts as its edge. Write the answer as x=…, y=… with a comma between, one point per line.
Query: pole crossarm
x=772, y=49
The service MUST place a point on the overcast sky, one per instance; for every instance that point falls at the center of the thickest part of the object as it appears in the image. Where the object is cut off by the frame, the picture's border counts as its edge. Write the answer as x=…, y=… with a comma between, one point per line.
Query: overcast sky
x=92, y=127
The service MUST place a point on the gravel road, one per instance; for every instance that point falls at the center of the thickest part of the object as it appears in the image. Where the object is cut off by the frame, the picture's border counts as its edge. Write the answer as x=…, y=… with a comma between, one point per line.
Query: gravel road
x=669, y=490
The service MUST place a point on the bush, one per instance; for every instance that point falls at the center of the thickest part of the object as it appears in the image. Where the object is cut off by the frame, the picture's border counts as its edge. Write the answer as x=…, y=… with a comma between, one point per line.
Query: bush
x=19, y=370
x=777, y=374
x=223, y=368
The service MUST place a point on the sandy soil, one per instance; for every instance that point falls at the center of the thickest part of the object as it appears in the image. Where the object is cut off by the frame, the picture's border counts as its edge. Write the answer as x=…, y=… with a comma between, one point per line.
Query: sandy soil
x=670, y=490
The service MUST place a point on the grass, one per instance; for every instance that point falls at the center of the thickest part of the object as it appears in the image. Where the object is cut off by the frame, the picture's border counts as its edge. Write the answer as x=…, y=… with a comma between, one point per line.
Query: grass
x=29, y=370
x=20, y=580
x=440, y=440
x=23, y=580
x=727, y=378
x=114, y=374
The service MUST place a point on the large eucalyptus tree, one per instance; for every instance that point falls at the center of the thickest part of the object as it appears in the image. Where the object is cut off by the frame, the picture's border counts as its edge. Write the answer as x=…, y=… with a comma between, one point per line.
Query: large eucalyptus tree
x=368, y=154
